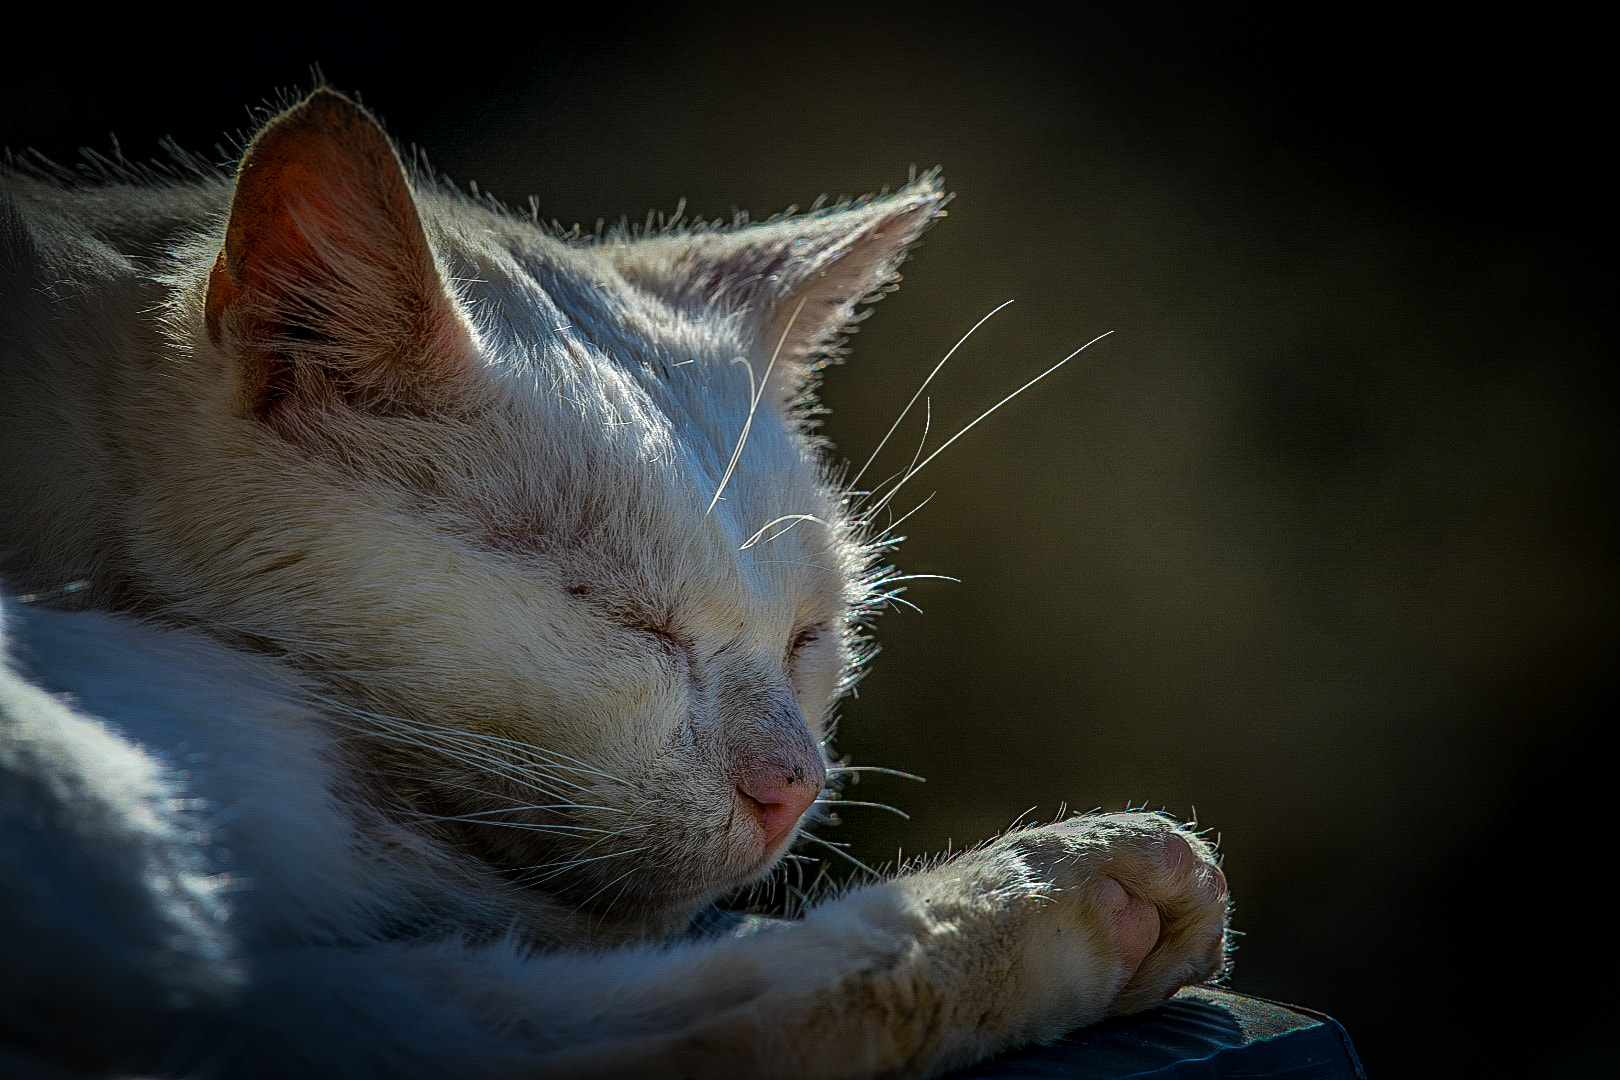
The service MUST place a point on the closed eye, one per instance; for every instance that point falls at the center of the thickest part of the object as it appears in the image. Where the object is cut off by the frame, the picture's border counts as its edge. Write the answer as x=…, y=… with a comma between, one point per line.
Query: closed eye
x=666, y=639
x=657, y=630
x=806, y=638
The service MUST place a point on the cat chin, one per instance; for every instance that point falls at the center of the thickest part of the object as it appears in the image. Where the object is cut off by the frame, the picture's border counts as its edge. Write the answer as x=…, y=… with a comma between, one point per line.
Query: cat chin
x=656, y=910
x=688, y=867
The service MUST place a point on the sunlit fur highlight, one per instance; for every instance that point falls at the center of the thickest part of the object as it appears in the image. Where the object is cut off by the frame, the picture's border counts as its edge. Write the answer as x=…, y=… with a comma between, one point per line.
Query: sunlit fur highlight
x=403, y=596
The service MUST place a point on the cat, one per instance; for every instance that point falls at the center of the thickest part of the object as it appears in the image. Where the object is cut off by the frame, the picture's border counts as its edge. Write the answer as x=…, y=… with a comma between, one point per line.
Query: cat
x=417, y=619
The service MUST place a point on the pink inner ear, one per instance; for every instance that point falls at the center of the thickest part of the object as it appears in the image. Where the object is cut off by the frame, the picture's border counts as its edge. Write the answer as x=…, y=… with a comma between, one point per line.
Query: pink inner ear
x=222, y=296
x=326, y=283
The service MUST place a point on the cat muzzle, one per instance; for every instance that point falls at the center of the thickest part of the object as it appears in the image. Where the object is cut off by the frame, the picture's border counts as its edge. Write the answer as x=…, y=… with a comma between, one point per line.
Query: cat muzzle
x=779, y=796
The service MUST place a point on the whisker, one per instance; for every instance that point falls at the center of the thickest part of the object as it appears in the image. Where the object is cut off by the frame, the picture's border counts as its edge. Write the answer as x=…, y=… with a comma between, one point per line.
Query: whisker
x=794, y=518
x=895, y=490
x=1024, y=815
x=838, y=769
x=922, y=444
x=921, y=577
x=513, y=772
x=888, y=531
x=473, y=749
x=630, y=823
x=855, y=802
x=922, y=440
x=527, y=826
x=894, y=597
x=756, y=392
x=884, y=441
x=486, y=793
x=606, y=907
x=474, y=739
x=519, y=809
x=465, y=737
x=842, y=854
x=554, y=869
x=504, y=767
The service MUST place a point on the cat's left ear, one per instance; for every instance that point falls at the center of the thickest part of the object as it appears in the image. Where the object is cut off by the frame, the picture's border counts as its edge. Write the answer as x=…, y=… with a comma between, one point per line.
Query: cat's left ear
x=326, y=289
x=799, y=280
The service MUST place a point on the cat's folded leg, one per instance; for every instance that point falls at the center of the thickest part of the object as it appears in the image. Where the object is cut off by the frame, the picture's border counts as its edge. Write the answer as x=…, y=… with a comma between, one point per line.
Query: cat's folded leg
x=1036, y=933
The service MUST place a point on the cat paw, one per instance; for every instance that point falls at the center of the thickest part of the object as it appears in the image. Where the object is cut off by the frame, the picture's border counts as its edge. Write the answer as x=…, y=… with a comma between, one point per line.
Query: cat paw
x=1146, y=890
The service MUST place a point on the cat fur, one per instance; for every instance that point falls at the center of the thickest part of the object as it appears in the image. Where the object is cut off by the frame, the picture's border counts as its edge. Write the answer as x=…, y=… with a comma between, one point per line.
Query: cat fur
x=417, y=618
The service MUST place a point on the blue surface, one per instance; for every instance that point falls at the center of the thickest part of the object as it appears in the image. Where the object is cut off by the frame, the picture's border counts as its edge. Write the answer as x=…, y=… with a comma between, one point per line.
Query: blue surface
x=1202, y=1033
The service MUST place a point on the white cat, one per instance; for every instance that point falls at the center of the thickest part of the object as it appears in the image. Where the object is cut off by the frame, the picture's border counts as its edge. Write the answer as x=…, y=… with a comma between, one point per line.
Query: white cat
x=418, y=620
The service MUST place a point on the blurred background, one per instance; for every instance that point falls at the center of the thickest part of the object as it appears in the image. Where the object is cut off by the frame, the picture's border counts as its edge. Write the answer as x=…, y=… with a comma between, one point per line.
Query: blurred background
x=1317, y=545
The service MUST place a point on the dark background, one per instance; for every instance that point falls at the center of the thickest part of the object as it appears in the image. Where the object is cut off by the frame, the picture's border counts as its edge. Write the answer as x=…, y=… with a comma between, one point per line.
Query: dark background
x=1317, y=545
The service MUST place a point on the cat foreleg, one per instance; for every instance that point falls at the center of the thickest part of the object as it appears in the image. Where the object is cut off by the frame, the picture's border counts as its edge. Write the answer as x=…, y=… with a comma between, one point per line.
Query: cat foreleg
x=1039, y=932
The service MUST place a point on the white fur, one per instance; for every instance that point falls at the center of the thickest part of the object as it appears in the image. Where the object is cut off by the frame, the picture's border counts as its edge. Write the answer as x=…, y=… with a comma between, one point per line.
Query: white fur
x=420, y=604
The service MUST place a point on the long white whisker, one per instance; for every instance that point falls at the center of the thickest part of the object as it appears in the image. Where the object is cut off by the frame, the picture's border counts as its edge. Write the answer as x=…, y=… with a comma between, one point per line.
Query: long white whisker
x=794, y=518
x=839, y=769
x=922, y=440
x=406, y=736
x=553, y=869
x=982, y=416
x=629, y=824
x=606, y=907
x=894, y=597
x=854, y=802
x=513, y=771
x=921, y=577
x=922, y=444
x=887, y=536
x=583, y=856
x=558, y=760
x=471, y=753
x=469, y=747
x=883, y=441
x=841, y=853
x=757, y=392
x=527, y=826
x=517, y=806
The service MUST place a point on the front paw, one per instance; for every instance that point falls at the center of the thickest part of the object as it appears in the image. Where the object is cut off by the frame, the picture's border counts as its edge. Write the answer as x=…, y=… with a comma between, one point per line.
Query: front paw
x=1147, y=891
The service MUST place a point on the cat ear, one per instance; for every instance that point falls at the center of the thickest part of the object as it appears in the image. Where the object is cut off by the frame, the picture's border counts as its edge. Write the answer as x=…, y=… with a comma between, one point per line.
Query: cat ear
x=798, y=281
x=326, y=290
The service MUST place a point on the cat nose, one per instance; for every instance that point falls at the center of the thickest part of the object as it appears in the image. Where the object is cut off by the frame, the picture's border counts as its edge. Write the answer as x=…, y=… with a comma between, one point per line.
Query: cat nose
x=780, y=794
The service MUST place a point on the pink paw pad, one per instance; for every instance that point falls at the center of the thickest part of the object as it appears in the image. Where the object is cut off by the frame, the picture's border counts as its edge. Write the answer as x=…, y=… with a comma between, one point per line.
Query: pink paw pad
x=1135, y=923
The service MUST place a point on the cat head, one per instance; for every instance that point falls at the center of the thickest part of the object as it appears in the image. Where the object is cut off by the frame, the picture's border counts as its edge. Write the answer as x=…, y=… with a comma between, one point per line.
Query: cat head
x=543, y=513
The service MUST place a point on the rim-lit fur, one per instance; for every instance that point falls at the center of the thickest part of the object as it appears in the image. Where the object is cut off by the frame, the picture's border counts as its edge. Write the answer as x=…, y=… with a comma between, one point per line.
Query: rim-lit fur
x=427, y=588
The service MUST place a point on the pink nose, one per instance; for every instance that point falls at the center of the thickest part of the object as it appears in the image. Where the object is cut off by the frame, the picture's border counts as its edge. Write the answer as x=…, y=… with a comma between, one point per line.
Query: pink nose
x=780, y=796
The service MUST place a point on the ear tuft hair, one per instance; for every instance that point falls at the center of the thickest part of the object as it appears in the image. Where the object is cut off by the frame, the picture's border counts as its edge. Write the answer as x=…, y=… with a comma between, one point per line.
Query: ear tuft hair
x=326, y=287
x=799, y=280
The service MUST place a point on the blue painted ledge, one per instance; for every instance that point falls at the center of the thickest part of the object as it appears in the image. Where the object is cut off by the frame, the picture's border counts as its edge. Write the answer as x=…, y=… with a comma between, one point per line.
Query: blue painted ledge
x=1203, y=1033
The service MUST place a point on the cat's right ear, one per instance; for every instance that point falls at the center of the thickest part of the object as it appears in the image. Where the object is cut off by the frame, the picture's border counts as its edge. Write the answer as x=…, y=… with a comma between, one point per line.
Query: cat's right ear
x=798, y=281
x=326, y=292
